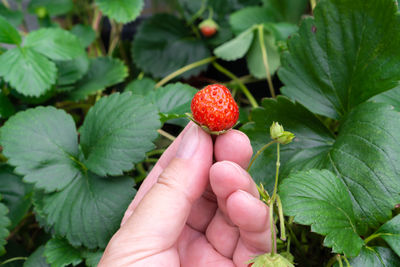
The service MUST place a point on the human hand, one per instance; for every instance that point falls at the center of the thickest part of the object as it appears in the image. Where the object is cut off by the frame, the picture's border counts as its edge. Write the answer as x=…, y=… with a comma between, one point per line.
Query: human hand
x=191, y=212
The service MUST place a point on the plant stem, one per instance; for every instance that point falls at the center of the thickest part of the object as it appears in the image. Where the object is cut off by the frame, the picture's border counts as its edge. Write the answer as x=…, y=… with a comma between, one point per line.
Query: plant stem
x=80, y=164
x=263, y=193
x=273, y=198
x=96, y=20
x=259, y=152
x=14, y=259
x=151, y=160
x=281, y=218
x=198, y=13
x=155, y=152
x=184, y=69
x=278, y=164
x=5, y=3
x=313, y=4
x=347, y=261
x=114, y=36
x=243, y=87
x=140, y=169
x=244, y=79
x=331, y=261
x=96, y=25
x=166, y=135
x=265, y=59
x=373, y=236
x=271, y=225
x=339, y=259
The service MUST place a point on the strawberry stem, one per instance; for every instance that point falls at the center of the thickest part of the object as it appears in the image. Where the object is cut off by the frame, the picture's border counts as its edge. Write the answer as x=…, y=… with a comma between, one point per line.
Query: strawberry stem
x=184, y=69
x=265, y=59
x=313, y=4
x=259, y=152
x=242, y=87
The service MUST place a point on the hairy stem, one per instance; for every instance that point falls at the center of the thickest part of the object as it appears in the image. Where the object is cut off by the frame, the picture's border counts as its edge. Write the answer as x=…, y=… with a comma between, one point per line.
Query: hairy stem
x=281, y=218
x=265, y=60
x=184, y=69
x=155, y=152
x=313, y=4
x=278, y=164
x=271, y=225
x=242, y=87
x=115, y=36
x=166, y=135
x=14, y=259
x=373, y=236
x=259, y=152
x=5, y=3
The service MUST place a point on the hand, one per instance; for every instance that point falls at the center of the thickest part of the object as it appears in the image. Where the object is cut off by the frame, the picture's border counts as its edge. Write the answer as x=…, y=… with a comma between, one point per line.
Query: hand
x=191, y=212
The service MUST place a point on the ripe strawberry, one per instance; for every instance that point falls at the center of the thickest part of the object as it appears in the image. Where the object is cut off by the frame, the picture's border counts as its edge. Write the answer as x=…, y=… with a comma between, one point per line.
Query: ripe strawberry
x=215, y=108
x=208, y=27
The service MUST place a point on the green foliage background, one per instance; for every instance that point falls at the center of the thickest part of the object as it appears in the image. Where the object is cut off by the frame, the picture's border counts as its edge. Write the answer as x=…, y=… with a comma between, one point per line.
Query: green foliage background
x=92, y=98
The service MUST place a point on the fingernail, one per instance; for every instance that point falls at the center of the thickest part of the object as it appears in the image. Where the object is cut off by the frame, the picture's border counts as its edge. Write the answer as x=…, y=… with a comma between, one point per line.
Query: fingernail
x=189, y=143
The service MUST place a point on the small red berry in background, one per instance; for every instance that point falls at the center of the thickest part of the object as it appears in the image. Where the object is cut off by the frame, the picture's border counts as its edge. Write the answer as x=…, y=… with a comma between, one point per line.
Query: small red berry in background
x=215, y=108
x=208, y=28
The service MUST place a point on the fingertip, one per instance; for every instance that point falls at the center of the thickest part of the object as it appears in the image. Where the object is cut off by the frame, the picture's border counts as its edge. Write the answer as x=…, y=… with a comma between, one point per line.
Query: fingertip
x=247, y=212
x=227, y=177
x=233, y=146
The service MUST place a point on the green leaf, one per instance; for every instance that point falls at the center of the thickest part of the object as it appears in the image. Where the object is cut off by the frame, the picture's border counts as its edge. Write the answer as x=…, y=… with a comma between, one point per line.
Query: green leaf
x=172, y=101
x=14, y=17
x=117, y=132
x=85, y=34
x=72, y=70
x=37, y=259
x=282, y=30
x=391, y=97
x=122, y=11
x=30, y=73
x=103, y=72
x=60, y=253
x=255, y=59
x=8, y=34
x=55, y=43
x=96, y=205
x=16, y=195
x=42, y=143
x=288, y=10
x=375, y=256
x=92, y=259
x=364, y=154
x=320, y=199
x=163, y=45
x=52, y=7
x=390, y=232
x=334, y=60
x=4, y=224
x=365, y=157
x=141, y=87
x=237, y=47
x=247, y=17
x=308, y=150
x=6, y=107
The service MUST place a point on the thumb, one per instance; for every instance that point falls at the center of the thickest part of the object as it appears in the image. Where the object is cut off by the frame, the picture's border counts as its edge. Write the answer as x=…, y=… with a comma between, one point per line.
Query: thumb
x=159, y=218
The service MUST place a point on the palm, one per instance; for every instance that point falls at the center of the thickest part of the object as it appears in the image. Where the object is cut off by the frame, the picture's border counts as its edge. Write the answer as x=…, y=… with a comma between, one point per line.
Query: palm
x=214, y=219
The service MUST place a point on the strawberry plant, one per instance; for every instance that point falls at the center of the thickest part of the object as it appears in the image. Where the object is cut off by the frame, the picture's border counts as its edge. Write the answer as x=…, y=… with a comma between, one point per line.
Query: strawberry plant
x=94, y=91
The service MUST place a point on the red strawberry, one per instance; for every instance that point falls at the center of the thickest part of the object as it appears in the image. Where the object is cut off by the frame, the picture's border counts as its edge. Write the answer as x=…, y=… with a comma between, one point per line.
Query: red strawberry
x=208, y=27
x=215, y=108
